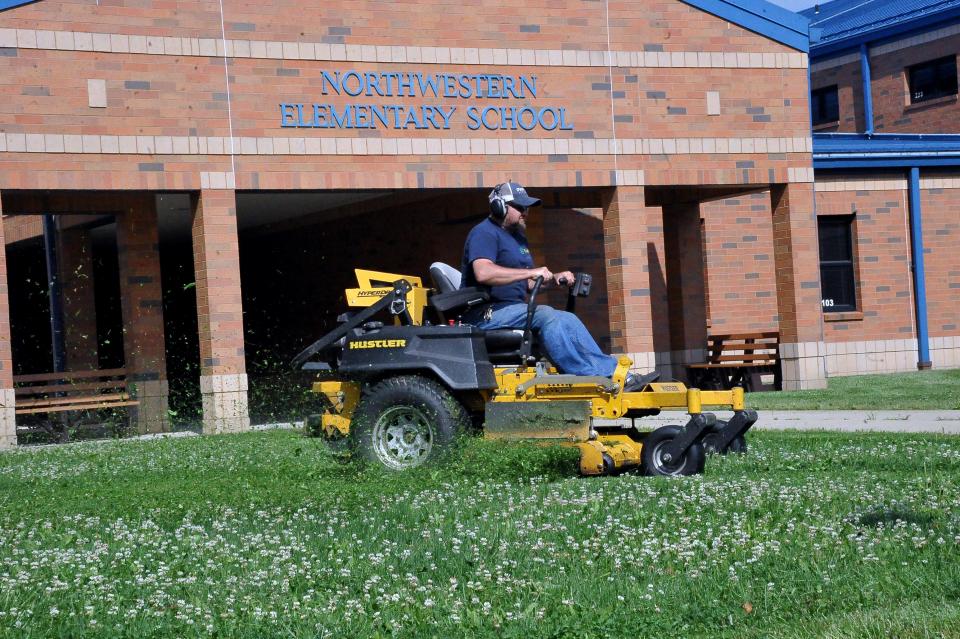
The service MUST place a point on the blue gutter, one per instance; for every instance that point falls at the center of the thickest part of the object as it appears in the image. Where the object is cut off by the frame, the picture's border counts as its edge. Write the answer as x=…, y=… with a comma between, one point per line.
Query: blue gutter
x=919, y=280
x=54, y=292
x=867, y=93
x=884, y=150
x=883, y=162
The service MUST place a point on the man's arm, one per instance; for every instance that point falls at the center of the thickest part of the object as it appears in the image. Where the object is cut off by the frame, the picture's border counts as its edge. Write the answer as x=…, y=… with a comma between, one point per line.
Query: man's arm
x=490, y=274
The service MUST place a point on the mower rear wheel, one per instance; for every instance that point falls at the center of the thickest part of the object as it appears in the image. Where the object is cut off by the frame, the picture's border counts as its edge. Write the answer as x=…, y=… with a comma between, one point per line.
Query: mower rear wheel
x=407, y=421
x=652, y=455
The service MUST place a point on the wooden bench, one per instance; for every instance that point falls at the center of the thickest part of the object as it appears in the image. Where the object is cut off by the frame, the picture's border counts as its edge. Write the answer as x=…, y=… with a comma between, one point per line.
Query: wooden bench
x=72, y=391
x=738, y=359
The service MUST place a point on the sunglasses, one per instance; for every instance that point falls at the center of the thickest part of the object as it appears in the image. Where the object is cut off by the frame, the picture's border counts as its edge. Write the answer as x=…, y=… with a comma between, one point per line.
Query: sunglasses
x=520, y=209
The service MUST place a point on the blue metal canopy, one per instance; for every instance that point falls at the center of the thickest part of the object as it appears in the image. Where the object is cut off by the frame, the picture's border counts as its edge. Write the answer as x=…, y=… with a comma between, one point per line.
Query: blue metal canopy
x=842, y=25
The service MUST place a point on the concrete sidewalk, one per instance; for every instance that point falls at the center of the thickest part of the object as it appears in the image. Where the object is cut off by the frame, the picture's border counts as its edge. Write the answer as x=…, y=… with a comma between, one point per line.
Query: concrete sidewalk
x=890, y=421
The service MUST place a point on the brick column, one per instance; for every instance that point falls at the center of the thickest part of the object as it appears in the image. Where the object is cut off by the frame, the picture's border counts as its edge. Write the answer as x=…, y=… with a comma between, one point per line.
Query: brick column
x=8, y=424
x=75, y=266
x=216, y=260
x=141, y=294
x=797, y=261
x=625, y=220
x=686, y=289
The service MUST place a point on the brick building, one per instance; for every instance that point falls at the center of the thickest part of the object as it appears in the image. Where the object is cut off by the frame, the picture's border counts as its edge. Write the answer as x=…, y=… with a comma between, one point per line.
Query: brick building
x=883, y=77
x=200, y=179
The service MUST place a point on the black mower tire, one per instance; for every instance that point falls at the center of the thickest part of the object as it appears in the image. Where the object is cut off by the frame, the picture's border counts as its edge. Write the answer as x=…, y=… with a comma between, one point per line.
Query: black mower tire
x=406, y=421
x=651, y=460
x=737, y=446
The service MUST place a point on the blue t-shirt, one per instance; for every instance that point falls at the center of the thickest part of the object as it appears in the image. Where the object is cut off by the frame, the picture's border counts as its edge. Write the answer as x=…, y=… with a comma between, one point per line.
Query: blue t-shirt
x=504, y=248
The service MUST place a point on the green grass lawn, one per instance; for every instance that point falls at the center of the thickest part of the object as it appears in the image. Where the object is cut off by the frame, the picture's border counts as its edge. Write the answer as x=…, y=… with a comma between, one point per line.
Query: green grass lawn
x=268, y=535
x=926, y=390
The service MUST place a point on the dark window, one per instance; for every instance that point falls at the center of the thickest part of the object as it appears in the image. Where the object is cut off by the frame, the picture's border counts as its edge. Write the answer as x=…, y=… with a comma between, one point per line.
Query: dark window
x=837, y=289
x=933, y=79
x=825, y=105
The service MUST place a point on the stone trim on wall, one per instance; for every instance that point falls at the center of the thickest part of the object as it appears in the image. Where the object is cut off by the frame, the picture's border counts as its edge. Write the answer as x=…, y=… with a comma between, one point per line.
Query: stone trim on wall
x=885, y=184
x=888, y=356
x=8, y=418
x=225, y=407
x=277, y=50
x=194, y=145
x=218, y=180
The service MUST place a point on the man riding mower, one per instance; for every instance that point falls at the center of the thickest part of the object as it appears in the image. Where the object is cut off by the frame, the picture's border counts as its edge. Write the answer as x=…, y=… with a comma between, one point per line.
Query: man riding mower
x=400, y=392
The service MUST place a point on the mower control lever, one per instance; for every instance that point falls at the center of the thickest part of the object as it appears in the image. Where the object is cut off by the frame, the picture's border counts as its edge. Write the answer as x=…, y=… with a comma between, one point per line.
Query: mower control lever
x=580, y=288
x=527, y=346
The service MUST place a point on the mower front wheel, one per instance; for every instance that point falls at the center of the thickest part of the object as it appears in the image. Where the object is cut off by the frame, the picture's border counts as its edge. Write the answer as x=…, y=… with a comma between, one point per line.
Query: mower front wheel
x=407, y=421
x=655, y=445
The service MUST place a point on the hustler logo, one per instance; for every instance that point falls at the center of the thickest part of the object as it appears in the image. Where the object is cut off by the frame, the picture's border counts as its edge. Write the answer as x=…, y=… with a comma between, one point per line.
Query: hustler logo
x=379, y=343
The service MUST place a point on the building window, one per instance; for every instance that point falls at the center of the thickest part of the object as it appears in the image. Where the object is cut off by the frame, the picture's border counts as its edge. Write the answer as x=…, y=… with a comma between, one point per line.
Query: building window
x=837, y=288
x=934, y=79
x=825, y=105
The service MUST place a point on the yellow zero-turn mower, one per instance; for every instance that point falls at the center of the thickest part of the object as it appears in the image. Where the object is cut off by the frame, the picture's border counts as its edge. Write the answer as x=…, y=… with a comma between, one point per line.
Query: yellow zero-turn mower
x=399, y=393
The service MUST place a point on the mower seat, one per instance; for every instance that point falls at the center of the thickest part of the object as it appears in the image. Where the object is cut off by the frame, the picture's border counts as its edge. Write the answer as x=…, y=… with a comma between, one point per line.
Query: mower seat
x=503, y=344
x=445, y=277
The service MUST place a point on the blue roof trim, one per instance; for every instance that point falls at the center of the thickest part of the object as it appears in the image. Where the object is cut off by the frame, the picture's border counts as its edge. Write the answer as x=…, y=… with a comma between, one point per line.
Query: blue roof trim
x=761, y=17
x=857, y=150
x=10, y=4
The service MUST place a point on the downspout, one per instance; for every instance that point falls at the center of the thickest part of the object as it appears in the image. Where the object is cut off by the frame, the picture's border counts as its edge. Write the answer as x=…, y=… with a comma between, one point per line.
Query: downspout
x=919, y=280
x=867, y=95
x=54, y=291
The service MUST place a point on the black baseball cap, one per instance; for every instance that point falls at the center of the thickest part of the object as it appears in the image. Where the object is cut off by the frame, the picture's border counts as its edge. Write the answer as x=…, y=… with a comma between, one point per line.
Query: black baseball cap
x=513, y=193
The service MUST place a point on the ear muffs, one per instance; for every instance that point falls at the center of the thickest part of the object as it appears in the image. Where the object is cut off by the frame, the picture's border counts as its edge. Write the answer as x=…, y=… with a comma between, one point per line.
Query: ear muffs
x=498, y=206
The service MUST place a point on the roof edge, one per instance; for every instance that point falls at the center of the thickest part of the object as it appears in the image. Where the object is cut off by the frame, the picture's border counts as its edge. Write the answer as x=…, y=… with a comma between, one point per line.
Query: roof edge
x=886, y=33
x=762, y=17
x=10, y=4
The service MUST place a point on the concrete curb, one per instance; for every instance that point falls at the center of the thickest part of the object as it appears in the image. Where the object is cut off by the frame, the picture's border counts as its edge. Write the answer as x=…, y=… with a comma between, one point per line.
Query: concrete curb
x=884, y=421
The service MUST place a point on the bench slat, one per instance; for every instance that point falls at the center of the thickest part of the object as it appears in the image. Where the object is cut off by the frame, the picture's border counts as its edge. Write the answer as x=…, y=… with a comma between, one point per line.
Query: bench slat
x=58, y=401
x=742, y=358
x=57, y=409
x=728, y=346
x=60, y=388
x=67, y=375
x=734, y=365
x=744, y=336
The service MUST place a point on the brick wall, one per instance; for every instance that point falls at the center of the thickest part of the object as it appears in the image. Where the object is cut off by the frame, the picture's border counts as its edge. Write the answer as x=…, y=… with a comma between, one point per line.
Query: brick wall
x=882, y=262
x=881, y=336
x=941, y=236
x=892, y=108
x=165, y=119
x=739, y=258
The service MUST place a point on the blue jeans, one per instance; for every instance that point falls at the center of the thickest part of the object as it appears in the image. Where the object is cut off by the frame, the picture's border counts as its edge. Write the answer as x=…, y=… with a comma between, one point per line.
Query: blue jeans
x=562, y=336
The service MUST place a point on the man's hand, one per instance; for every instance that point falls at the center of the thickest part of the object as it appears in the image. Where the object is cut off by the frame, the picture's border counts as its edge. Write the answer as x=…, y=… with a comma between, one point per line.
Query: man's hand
x=543, y=271
x=567, y=278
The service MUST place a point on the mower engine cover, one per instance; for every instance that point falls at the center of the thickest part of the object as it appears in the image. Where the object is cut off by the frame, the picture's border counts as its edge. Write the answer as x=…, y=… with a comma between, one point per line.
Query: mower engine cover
x=457, y=355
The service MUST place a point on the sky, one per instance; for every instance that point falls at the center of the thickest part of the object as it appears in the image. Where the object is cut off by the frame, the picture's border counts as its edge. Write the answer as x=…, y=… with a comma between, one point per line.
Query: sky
x=796, y=5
